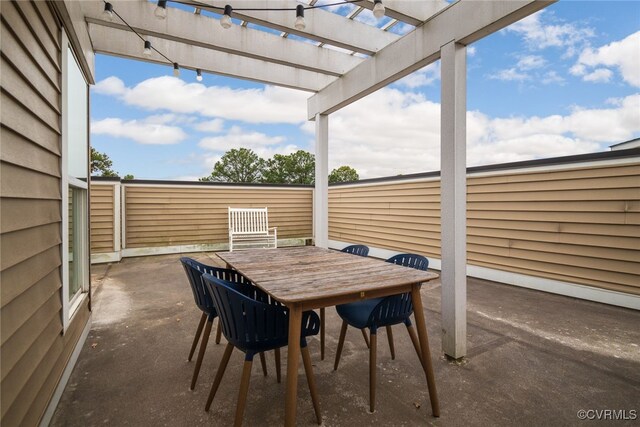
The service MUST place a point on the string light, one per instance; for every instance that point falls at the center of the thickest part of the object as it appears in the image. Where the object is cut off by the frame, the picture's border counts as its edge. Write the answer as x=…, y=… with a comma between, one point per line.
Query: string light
x=300, y=24
x=108, y=11
x=225, y=21
x=161, y=9
x=161, y=13
x=147, y=48
x=378, y=9
x=147, y=43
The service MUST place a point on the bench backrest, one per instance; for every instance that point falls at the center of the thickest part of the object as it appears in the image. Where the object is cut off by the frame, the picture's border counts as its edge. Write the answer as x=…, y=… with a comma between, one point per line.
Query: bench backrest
x=248, y=220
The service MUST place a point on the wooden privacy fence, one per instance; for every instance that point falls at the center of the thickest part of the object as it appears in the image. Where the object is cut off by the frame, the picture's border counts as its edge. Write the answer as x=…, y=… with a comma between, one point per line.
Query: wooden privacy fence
x=161, y=217
x=577, y=223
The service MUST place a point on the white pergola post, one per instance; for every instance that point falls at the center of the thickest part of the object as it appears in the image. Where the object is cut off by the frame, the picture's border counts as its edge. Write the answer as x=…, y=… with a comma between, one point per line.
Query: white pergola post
x=321, y=193
x=453, y=189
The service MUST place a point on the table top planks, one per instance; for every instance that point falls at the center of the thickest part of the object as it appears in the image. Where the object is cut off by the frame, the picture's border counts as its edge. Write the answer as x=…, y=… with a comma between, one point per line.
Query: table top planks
x=307, y=273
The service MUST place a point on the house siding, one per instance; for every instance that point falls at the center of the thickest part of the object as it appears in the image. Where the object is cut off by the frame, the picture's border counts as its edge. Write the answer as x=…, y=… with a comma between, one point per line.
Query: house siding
x=33, y=351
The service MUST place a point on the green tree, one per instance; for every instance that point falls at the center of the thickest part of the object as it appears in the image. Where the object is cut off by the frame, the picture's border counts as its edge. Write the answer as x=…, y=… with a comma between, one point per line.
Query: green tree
x=237, y=165
x=294, y=168
x=128, y=176
x=343, y=174
x=101, y=163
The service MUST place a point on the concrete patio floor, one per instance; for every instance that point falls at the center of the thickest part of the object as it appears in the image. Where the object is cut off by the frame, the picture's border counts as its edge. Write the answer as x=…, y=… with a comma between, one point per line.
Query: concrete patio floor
x=533, y=359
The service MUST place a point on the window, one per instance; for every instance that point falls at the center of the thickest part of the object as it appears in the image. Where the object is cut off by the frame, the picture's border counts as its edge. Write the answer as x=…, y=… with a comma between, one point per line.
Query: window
x=75, y=176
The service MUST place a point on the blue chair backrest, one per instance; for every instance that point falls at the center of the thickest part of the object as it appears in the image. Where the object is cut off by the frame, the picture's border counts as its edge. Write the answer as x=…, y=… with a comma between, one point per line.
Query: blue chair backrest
x=397, y=308
x=360, y=250
x=251, y=324
x=195, y=270
x=410, y=260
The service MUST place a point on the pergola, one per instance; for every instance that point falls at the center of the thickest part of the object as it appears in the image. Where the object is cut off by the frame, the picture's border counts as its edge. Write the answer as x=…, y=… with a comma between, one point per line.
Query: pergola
x=339, y=60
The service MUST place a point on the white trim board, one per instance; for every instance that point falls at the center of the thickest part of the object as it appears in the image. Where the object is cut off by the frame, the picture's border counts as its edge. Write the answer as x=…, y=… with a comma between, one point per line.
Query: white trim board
x=101, y=258
x=574, y=290
x=216, y=187
x=66, y=374
x=212, y=247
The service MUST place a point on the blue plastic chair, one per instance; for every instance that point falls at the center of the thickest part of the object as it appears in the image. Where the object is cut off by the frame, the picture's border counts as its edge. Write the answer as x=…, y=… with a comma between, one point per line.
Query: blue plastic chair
x=360, y=250
x=195, y=270
x=378, y=312
x=253, y=322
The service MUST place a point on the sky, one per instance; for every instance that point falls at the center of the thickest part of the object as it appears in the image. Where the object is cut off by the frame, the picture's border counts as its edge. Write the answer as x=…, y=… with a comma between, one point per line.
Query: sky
x=563, y=81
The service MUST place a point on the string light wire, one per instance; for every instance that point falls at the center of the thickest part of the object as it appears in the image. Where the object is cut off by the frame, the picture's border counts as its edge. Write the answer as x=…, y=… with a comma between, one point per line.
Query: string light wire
x=205, y=6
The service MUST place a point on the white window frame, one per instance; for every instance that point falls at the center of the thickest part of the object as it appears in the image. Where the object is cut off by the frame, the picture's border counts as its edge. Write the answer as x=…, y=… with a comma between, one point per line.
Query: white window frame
x=70, y=305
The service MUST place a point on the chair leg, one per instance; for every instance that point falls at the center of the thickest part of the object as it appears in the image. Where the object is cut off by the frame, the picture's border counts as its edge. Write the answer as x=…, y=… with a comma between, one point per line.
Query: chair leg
x=414, y=340
x=216, y=383
x=203, y=319
x=263, y=362
x=366, y=338
x=322, y=332
x=308, y=370
x=242, y=394
x=278, y=366
x=218, y=332
x=372, y=371
x=391, y=347
x=203, y=347
x=343, y=333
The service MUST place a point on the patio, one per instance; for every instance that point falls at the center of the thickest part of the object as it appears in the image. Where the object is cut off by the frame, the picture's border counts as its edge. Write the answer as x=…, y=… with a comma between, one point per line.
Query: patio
x=532, y=356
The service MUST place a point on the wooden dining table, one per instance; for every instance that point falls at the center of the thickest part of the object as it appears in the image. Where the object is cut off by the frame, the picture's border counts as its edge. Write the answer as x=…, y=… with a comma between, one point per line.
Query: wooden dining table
x=309, y=277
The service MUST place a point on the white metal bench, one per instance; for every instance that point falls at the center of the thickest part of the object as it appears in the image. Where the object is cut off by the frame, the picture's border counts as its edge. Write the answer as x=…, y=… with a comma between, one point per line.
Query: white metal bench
x=249, y=228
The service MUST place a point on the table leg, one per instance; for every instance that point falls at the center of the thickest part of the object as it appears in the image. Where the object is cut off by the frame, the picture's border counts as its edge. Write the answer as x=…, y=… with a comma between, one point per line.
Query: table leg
x=424, y=346
x=293, y=359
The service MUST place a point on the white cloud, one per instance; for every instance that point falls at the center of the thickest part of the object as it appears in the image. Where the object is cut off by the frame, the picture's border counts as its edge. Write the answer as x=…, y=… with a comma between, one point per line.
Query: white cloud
x=552, y=77
x=510, y=74
x=142, y=132
x=472, y=50
x=163, y=119
x=423, y=77
x=263, y=145
x=530, y=62
x=213, y=126
x=265, y=105
x=402, y=135
x=623, y=55
x=110, y=86
x=600, y=75
x=540, y=35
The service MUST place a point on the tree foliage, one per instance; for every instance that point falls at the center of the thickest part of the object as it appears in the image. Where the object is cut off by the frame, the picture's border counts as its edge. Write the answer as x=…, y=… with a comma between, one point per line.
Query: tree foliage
x=343, y=174
x=101, y=163
x=237, y=165
x=294, y=168
x=244, y=165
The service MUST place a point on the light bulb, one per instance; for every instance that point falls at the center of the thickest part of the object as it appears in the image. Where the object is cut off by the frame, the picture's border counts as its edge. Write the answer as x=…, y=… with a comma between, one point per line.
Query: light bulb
x=161, y=9
x=147, y=48
x=198, y=75
x=378, y=9
x=225, y=21
x=176, y=70
x=108, y=11
x=300, y=24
